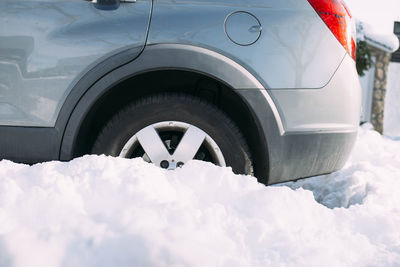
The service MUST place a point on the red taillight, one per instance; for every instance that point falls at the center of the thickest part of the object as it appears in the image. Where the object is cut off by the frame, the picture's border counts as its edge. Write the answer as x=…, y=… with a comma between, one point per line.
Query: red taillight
x=337, y=17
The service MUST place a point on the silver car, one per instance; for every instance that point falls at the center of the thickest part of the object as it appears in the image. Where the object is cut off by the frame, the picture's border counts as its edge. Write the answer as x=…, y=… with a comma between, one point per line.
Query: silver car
x=267, y=87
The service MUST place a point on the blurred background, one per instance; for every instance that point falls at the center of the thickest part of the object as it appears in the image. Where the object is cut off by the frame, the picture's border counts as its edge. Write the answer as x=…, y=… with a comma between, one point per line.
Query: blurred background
x=378, y=62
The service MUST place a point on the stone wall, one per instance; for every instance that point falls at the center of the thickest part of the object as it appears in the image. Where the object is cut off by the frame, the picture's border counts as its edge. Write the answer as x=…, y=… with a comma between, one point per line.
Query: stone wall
x=378, y=98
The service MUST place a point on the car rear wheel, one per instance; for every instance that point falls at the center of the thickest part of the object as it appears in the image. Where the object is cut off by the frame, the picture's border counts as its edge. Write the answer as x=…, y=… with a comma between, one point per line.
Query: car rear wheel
x=170, y=130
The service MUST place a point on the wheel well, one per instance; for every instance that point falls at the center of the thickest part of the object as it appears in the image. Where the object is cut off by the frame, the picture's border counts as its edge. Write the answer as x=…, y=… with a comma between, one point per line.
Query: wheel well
x=176, y=81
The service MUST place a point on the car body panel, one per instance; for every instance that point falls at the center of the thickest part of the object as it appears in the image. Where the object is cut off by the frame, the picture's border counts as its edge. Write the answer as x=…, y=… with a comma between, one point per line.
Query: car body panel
x=294, y=39
x=333, y=108
x=290, y=53
x=323, y=143
x=47, y=46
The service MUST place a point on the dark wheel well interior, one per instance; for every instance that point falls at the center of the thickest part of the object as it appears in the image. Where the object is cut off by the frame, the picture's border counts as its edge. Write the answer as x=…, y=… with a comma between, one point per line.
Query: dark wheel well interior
x=177, y=81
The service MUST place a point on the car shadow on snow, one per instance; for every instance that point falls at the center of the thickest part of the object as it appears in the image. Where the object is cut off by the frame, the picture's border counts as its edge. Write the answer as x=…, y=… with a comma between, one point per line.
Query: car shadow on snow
x=342, y=189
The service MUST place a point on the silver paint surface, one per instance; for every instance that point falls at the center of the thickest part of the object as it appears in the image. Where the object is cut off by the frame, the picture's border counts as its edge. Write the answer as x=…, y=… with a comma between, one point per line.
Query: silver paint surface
x=242, y=28
x=333, y=108
x=46, y=46
x=295, y=49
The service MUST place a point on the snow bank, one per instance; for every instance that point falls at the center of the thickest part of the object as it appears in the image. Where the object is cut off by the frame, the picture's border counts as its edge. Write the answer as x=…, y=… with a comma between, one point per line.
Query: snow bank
x=100, y=211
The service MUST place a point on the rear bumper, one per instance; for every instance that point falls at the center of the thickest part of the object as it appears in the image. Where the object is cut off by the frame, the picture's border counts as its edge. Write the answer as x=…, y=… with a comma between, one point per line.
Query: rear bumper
x=334, y=107
x=311, y=154
x=309, y=132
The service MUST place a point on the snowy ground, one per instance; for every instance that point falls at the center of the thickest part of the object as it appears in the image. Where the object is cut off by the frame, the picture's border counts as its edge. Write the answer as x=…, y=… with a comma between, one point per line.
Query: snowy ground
x=99, y=211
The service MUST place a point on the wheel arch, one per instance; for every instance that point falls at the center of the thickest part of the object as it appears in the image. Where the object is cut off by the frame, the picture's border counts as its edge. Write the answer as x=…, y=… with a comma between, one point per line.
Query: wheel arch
x=227, y=75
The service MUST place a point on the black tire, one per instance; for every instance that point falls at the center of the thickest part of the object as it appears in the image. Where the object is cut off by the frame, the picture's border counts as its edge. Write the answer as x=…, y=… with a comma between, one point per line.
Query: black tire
x=176, y=107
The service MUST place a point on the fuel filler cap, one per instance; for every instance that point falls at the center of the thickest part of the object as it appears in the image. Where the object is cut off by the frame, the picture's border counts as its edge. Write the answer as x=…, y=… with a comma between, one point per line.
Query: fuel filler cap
x=243, y=28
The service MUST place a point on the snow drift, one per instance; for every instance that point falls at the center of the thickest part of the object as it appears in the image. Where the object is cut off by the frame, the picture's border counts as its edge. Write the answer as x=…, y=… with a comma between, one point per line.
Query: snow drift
x=101, y=211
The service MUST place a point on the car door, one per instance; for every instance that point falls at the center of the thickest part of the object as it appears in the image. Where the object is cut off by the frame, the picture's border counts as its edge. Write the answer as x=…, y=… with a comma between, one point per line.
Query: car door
x=47, y=46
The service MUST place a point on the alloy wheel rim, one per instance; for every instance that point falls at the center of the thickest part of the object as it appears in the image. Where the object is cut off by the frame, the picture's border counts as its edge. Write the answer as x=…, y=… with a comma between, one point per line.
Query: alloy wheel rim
x=171, y=144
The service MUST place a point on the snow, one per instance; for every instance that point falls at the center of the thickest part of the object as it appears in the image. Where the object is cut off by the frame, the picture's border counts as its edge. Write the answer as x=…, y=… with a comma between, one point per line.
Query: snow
x=387, y=42
x=103, y=211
